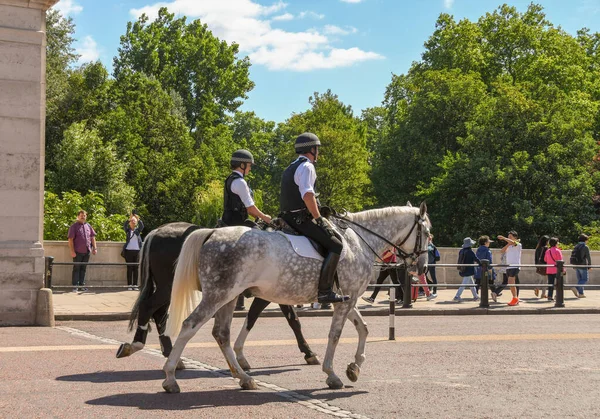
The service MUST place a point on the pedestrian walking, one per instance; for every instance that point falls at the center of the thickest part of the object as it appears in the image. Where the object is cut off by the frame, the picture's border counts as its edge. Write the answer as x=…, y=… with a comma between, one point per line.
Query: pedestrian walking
x=581, y=256
x=433, y=256
x=392, y=271
x=553, y=254
x=540, y=253
x=467, y=256
x=484, y=252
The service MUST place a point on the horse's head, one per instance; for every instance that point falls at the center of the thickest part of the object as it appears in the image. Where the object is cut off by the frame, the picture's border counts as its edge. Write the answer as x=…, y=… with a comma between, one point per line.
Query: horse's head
x=416, y=246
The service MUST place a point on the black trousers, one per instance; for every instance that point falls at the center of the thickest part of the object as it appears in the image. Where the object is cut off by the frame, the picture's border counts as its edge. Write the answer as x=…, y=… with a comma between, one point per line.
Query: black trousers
x=310, y=229
x=433, y=277
x=393, y=274
x=132, y=256
x=78, y=274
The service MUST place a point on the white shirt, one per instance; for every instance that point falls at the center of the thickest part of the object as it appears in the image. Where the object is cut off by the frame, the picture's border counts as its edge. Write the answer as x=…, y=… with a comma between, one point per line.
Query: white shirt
x=305, y=177
x=513, y=256
x=241, y=189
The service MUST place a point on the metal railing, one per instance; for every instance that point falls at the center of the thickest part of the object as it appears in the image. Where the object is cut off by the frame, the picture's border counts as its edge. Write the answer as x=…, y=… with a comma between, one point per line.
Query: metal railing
x=50, y=264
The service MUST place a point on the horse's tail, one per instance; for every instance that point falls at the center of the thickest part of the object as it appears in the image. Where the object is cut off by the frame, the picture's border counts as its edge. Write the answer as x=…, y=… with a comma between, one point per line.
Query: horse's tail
x=184, y=295
x=146, y=284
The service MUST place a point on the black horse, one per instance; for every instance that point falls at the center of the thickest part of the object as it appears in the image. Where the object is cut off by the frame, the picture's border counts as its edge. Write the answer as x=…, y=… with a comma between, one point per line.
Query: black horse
x=157, y=268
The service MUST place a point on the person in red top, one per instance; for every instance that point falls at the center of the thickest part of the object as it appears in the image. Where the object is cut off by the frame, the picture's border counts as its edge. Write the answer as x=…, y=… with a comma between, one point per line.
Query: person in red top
x=388, y=257
x=552, y=255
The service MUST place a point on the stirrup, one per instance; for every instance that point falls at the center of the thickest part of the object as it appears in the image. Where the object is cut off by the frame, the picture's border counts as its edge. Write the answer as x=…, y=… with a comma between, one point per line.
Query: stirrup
x=331, y=297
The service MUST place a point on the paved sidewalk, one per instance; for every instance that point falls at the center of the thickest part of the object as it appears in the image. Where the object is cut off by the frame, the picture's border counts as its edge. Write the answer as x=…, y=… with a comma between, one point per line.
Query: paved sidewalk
x=116, y=305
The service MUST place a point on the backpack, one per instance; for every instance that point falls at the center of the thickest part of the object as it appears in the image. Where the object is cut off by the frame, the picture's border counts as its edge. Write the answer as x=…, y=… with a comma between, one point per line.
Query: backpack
x=461, y=260
x=577, y=255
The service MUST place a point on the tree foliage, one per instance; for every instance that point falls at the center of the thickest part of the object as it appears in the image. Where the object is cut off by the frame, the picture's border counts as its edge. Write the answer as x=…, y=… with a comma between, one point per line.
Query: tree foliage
x=496, y=128
x=189, y=59
x=60, y=213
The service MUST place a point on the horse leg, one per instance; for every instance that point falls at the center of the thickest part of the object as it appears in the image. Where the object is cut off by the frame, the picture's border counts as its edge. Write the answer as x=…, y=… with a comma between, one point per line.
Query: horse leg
x=292, y=318
x=257, y=307
x=353, y=369
x=190, y=326
x=340, y=313
x=141, y=333
x=222, y=334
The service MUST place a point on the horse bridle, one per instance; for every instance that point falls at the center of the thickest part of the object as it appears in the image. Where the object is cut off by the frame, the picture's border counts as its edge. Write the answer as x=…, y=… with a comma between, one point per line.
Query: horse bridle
x=418, y=251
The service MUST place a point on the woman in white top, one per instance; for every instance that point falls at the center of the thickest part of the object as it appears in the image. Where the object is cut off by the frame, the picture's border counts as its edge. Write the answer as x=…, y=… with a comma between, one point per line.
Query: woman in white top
x=131, y=249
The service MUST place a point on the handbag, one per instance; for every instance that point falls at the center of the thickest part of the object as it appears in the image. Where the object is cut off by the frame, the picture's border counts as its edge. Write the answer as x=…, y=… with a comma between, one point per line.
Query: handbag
x=123, y=252
x=540, y=270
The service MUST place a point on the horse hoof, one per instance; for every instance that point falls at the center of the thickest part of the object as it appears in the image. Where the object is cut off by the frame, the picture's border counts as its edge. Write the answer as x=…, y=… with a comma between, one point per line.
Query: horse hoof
x=244, y=364
x=171, y=386
x=312, y=360
x=248, y=384
x=180, y=365
x=334, y=383
x=352, y=372
x=124, y=350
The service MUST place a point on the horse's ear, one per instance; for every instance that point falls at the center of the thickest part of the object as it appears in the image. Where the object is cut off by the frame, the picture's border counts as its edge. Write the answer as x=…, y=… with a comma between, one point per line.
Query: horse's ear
x=423, y=209
x=408, y=204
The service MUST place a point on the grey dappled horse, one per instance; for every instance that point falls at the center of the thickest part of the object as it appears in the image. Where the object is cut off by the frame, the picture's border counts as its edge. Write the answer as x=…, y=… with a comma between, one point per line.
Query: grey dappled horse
x=157, y=260
x=233, y=259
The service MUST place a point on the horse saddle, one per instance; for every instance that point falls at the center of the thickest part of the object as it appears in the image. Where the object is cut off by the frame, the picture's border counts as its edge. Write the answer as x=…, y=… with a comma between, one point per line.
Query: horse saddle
x=302, y=245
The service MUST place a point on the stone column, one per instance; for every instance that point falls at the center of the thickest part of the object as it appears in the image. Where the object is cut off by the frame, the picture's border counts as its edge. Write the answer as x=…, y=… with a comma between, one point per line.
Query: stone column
x=22, y=118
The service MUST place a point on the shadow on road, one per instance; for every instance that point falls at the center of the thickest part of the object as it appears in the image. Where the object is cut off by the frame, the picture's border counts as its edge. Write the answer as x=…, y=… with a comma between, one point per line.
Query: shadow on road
x=188, y=400
x=147, y=375
x=137, y=375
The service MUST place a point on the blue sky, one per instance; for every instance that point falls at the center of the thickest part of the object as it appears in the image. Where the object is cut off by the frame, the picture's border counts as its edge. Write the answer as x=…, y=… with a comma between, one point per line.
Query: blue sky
x=299, y=47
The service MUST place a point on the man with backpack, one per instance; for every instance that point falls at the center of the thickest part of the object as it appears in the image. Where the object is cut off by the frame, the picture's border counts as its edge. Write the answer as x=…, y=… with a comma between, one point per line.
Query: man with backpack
x=466, y=256
x=581, y=256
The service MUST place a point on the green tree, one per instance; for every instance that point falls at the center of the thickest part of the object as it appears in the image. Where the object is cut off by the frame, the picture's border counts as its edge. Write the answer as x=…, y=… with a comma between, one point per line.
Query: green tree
x=60, y=213
x=60, y=56
x=189, y=59
x=155, y=146
x=343, y=167
x=83, y=162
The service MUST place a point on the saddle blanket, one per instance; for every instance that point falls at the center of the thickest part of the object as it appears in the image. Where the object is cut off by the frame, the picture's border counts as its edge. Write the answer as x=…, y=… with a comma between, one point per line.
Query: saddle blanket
x=304, y=248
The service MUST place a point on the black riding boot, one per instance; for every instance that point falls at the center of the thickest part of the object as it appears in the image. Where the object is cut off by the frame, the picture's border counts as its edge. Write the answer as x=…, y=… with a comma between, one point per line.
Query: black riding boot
x=326, y=294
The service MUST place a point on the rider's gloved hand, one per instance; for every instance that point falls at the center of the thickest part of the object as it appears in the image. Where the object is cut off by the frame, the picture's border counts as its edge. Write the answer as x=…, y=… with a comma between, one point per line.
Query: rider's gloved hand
x=326, y=225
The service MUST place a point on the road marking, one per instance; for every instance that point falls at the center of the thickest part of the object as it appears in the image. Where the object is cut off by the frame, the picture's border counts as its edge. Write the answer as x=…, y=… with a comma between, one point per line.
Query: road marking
x=292, y=342
x=287, y=394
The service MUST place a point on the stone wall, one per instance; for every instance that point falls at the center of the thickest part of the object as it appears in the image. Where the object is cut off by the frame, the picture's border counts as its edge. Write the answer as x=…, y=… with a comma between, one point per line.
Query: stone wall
x=115, y=275
x=22, y=117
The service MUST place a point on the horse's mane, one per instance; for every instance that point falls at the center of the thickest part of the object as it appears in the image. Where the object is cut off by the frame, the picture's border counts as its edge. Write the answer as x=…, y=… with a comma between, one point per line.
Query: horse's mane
x=379, y=212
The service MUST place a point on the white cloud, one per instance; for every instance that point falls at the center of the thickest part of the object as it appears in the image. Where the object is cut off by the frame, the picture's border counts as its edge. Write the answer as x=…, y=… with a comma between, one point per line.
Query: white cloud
x=310, y=14
x=87, y=49
x=336, y=30
x=247, y=23
x=351, y=1
x=448, y=4
x=68, y=7
x=285, y=16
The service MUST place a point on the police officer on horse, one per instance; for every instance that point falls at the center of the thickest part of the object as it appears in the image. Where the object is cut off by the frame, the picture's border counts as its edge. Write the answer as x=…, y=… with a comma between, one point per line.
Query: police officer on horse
x=300, y=209
x=238, y=197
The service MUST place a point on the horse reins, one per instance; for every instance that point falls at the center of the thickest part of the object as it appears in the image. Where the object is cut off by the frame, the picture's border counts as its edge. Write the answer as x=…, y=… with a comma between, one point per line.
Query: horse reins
x=416, y=252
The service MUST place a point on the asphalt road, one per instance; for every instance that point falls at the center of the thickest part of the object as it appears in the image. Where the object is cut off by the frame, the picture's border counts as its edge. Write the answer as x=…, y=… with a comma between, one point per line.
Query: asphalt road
x=447, y=366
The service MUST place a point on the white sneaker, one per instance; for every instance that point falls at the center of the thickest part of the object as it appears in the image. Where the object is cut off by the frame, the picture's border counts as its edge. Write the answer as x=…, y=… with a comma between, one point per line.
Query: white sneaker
x=75, y=289
x=431, y=297
x=130, y=289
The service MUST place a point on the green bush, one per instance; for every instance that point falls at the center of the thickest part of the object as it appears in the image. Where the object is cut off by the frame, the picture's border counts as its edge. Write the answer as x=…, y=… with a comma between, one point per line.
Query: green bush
x=60, y=213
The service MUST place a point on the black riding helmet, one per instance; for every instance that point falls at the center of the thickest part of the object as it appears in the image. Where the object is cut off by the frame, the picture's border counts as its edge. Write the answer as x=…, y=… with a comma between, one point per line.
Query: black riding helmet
x=305, y=142
x=239, y=158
